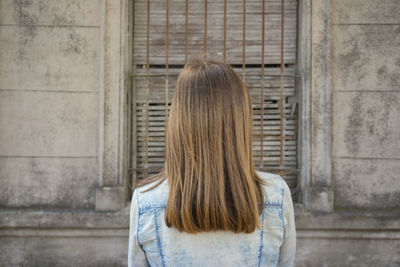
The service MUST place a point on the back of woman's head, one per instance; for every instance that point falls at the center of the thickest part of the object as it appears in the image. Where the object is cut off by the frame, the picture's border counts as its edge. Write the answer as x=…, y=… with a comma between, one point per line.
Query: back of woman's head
x=209, y=161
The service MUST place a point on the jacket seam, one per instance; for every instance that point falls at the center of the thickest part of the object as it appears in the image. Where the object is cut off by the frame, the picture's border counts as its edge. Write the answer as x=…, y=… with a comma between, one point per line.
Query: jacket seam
x=150, y=207
x=281, y=211
x=273, y=204
x=158, y=236
x=138, y=220
x=261, y=239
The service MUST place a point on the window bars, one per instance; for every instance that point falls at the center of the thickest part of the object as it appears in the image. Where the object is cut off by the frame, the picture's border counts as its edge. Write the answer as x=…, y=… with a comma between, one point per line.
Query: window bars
x=258, y=38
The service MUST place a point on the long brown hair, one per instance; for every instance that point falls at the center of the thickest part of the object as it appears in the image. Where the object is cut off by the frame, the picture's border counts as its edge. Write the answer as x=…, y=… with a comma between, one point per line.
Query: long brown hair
x=209, y=166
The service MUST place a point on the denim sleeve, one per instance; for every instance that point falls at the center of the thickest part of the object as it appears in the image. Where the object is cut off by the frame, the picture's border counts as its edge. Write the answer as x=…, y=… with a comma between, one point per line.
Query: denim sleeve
x=288, y=247
x=136, y=255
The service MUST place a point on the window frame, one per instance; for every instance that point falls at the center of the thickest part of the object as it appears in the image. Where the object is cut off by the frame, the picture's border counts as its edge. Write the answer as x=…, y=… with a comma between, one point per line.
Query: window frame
x=314, y=85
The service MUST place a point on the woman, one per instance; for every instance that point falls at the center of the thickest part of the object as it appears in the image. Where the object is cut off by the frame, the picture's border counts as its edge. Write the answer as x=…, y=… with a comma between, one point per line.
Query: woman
x=209, y=206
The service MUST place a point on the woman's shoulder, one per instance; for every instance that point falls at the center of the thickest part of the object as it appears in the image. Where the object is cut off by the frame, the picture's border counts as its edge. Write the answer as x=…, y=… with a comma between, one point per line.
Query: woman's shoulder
x=274, y=188
x=271, y=179
x=151, y=195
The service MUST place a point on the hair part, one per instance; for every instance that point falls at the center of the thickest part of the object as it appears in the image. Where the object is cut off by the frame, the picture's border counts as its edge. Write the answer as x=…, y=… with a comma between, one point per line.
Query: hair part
x=209, y=163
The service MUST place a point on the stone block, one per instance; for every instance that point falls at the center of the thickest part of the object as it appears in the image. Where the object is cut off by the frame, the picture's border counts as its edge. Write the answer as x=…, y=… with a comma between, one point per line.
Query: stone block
x=366, y=184
x=50, y=12
x=347, y=252
x=60, y=250
x=365, y=11
x=366, y=57
x=41, y=183
x=49, y=58
x=318, y=199
x=355, y=221
x=110, y=198
x=366, y=124
x=35, y=123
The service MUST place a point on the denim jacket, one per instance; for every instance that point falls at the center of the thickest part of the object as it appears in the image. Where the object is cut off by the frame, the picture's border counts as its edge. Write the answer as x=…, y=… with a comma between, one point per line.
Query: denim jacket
x=152, y=243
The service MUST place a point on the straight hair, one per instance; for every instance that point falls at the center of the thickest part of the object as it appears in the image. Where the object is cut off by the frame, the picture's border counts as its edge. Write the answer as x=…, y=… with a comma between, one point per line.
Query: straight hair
x=209, y=163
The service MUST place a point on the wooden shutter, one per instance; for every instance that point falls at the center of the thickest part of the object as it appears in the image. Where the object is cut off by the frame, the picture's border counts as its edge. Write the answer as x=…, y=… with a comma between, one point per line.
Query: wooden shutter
x=167, y=32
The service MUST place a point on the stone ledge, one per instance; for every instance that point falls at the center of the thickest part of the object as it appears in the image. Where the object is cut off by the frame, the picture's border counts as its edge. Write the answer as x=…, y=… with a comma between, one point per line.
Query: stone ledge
x=84, y=219
x=367, y=234
x=349, y=234
x=63, y=232
x=120, y=220
x=306, y=220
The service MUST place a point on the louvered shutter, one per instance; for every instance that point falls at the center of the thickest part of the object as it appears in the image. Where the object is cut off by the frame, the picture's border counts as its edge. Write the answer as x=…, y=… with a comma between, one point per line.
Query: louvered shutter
x=167, y=32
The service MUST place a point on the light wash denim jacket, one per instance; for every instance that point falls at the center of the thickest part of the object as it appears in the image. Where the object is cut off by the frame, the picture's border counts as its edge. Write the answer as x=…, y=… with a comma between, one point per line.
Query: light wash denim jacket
x=152, y=243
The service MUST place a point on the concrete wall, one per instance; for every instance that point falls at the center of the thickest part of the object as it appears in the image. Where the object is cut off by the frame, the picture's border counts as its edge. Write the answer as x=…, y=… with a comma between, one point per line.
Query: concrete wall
x=63, y=67
x=366, y=104
x=48, y=103
x=59, y=85
x=355, y=94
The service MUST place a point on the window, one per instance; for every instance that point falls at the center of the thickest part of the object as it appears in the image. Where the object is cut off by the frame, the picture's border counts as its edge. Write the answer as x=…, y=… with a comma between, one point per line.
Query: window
x=168, y=32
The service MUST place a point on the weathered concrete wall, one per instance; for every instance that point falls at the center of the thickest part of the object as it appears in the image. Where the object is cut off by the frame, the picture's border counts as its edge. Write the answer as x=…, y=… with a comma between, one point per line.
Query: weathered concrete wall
x=60, y=59
x=356, y=55
x=366, y=104
x=77, y=250
x=347, y=252
x=51, y=74
x=48, y=103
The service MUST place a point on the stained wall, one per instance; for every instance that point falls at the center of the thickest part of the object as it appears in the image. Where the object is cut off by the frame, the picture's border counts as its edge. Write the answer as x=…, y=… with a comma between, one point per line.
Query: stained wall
x=52, y=89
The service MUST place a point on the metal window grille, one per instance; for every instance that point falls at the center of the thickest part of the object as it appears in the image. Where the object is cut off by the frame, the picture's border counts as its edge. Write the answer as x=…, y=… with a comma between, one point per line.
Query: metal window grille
x=259, y=39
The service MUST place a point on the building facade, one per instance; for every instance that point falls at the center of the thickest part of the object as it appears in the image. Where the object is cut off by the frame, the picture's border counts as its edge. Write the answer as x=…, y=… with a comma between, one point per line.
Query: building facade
x=65, y=70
